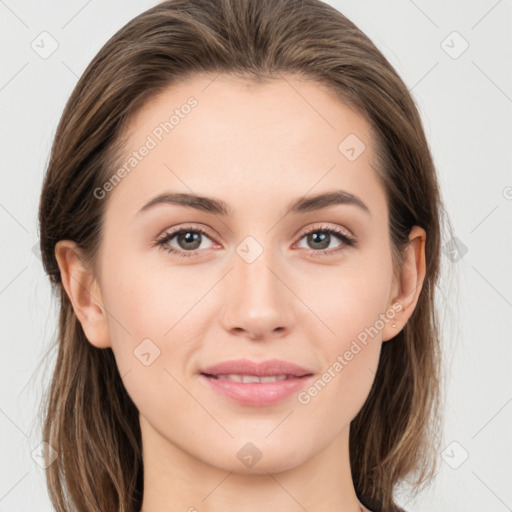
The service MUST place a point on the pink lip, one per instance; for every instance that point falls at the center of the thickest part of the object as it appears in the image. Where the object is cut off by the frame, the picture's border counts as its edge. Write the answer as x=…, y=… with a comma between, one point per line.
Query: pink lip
x=264, y=368
x=257, y=393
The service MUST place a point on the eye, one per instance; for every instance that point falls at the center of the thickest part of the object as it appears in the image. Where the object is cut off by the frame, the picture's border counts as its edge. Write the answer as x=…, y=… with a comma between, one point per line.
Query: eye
x=188, y=239
x=320, y=238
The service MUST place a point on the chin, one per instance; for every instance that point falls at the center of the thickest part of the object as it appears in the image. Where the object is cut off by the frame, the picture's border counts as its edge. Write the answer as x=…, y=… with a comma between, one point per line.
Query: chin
x=253, y=458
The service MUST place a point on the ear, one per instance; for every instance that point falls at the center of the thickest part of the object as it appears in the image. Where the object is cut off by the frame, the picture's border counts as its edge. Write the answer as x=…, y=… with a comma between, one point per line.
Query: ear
x=83, y=292
x=407, y=288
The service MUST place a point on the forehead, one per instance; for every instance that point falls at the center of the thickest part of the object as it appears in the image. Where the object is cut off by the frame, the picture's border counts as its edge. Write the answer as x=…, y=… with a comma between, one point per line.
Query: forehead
x=223, y=135
x=261, y=108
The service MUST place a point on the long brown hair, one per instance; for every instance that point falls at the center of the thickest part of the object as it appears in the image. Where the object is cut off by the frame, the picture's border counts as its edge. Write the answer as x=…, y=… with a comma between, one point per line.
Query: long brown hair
x=89, y=419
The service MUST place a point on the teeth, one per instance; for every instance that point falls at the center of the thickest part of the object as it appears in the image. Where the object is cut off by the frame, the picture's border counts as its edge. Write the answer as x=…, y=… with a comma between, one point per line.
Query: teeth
x=273, y=378
x=247, y=379
x=232, y=376
x=250, y=378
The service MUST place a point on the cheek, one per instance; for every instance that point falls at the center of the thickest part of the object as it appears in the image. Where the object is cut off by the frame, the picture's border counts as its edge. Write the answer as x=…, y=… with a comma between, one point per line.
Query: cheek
x=356, y=312
x=149, y=338
x=356, y=301
x=150, y=301
x=154, y=321
x=350, y=359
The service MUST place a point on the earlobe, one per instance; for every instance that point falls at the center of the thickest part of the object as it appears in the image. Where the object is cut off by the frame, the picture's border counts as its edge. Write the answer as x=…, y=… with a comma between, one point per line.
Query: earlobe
x=83, y=292
x=412, y=275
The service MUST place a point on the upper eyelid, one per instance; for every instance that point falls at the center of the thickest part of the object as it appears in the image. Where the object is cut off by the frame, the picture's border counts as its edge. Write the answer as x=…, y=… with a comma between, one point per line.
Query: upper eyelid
x=173, y=232
x=322, y=227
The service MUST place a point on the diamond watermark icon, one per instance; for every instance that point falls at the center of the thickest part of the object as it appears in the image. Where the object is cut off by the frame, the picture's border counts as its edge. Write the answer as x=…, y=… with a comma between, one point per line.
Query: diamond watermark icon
x=454, y=45
x=36, y=250
x=146, y=352
x=454, y=249
x=249, y=249
x=454, y=455
x=351, y=147
x=249, y=455
x=44, y=455
x=44, y=45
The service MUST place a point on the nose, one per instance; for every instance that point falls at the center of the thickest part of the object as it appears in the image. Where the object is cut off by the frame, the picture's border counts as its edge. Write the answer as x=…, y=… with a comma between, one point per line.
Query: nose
x=259, y=303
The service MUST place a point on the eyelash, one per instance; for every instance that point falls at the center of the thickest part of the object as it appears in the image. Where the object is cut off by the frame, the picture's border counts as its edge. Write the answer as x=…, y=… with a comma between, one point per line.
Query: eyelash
x=163, y=241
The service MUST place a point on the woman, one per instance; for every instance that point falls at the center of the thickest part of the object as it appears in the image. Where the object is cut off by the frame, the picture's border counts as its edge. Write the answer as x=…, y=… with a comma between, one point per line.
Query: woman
x=241, y=217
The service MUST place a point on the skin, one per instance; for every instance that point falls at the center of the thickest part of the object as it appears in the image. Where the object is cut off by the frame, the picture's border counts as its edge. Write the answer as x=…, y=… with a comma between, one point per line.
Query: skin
x=257, y=147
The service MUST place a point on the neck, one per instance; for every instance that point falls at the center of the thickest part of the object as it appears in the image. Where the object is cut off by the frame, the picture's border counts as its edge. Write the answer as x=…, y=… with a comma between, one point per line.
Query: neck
x=175, y=480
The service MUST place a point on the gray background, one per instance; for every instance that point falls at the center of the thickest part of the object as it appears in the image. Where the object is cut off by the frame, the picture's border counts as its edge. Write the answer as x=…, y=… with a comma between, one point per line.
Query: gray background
x=465, y=98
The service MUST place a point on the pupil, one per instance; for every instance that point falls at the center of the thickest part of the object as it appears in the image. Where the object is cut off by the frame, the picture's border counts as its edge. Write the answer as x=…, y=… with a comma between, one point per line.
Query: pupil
x=324, y=239
x=189, y=238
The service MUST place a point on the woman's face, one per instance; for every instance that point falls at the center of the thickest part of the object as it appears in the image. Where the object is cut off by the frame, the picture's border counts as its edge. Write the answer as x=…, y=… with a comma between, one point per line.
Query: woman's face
x=252, y=278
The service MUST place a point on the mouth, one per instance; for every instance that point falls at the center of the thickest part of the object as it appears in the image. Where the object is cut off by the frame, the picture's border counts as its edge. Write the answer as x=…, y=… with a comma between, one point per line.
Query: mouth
x=248, y=379
x=256, y=384
x=247, y=368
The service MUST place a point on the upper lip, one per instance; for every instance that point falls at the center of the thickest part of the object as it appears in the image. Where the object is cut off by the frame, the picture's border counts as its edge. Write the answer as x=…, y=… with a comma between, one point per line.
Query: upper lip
x=260, y=369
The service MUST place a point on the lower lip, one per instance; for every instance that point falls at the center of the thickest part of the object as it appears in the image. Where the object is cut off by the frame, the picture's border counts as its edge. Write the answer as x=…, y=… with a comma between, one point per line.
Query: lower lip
x=257, y=393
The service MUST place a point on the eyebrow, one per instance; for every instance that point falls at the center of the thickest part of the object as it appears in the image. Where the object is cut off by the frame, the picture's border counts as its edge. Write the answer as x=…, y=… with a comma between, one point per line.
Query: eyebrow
x=219, y=207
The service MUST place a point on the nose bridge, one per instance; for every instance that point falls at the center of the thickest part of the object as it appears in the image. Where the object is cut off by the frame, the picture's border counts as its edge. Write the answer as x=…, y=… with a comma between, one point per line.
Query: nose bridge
x=258, y=301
